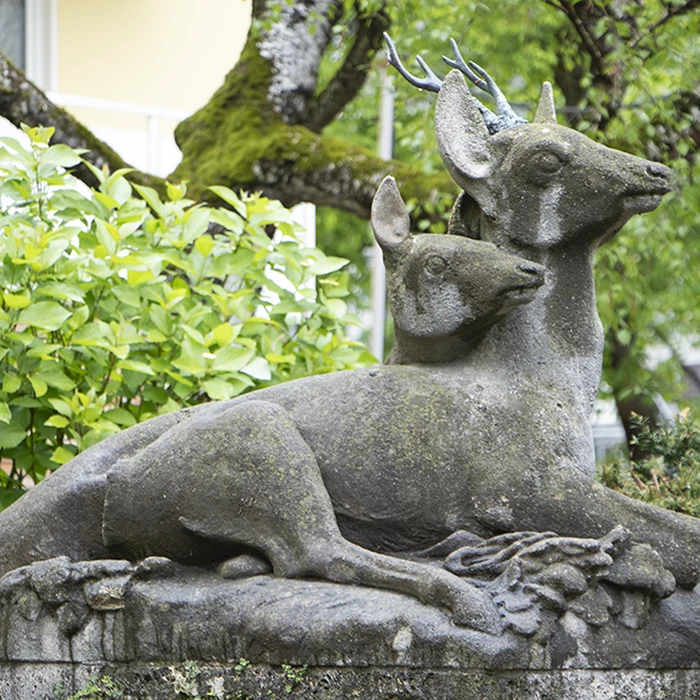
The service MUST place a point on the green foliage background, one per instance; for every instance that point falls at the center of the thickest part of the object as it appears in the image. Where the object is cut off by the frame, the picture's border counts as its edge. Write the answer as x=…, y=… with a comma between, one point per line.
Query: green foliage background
x=669, y=476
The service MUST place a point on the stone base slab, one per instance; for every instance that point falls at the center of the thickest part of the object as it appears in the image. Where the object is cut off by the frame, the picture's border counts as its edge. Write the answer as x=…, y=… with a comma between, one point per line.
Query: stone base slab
x=59, y=681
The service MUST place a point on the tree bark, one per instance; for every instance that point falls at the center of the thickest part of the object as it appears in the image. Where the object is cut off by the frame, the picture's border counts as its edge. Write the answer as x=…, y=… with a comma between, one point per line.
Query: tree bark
x=22, y=102
x=260, y=130
x=630, y=405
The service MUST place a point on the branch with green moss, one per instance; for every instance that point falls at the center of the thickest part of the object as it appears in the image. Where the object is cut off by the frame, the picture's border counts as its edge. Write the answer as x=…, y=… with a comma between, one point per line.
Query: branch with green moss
x=351, y=75
x=22, y=102
x=240, y=140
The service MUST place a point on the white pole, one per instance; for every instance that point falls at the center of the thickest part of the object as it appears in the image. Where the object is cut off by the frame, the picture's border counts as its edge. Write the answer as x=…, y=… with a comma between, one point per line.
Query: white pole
x=386, y=139
x=152, y=145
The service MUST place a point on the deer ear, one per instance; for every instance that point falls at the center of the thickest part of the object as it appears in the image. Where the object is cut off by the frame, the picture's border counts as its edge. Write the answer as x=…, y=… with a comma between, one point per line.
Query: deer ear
x=389, y=216
x=546, y=112
x=463, y=139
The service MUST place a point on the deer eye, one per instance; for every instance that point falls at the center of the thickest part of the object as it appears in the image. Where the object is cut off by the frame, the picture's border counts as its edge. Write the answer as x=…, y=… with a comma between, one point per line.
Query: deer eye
x=435, y=264
x=547, y=162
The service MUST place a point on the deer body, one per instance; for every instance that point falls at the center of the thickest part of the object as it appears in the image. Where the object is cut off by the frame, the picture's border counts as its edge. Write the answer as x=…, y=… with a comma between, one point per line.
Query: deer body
x=551, y=195
x=277, y=471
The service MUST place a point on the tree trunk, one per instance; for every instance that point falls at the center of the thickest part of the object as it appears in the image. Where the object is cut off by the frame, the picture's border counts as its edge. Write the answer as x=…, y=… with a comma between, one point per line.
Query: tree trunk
x=261, y=130
x=630, y=405
x=22, y=102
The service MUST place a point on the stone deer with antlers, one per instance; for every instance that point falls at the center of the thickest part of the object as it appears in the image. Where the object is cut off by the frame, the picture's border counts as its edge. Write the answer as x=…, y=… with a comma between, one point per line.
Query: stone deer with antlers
x=478, y=426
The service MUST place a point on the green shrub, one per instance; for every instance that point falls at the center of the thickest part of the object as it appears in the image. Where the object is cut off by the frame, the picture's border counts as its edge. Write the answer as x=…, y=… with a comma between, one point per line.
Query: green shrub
x=117, y=308
x=670, y=476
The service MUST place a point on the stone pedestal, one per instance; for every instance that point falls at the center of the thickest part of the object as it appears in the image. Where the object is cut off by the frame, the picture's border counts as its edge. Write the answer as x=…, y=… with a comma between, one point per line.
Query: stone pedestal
x=202, y=636
x=137, y=681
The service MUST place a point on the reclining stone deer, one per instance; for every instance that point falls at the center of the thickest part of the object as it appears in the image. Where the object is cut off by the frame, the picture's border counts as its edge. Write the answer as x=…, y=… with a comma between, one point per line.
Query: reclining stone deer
x=328, y=475
x=211, y=482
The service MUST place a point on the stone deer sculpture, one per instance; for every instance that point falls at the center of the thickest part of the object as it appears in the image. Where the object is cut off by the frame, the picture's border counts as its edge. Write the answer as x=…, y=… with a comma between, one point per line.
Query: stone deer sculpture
x=243, y=477
x=326, y=476
x=551, y=195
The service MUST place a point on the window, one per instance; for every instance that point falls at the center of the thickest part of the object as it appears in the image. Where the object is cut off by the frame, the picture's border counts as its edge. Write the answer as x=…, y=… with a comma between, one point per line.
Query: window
x=12, y=31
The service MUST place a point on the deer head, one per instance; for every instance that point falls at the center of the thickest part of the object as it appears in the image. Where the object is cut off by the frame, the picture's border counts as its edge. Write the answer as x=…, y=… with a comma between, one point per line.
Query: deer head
x=541, y=185
x=531, y=186
x=445, y=290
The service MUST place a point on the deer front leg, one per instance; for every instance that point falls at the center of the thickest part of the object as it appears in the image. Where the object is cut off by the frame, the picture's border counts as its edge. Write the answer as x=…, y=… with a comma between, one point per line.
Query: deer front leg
x=571, y=504
x=247, y=477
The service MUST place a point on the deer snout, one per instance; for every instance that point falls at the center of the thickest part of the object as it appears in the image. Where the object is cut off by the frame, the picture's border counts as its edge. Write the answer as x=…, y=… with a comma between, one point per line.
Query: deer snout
x=660, y=174
x=534, y=273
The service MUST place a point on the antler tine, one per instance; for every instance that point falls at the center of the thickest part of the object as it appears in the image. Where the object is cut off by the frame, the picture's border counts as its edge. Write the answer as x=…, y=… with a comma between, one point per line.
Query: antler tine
x=493, y=123
x=461, y=65
x=430, y=82
x=504, y=109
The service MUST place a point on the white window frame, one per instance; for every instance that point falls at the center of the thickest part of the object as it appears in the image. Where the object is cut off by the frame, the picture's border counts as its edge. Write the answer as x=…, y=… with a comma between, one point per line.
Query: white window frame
x=41, y=42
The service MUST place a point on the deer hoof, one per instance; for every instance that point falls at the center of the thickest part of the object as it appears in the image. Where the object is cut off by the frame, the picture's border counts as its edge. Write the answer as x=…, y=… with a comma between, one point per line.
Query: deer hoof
x=475, y=608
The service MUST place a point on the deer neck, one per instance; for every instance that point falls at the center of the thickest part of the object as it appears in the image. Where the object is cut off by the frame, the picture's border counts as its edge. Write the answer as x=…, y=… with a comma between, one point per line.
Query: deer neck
x=430, y=350
x=557, y=337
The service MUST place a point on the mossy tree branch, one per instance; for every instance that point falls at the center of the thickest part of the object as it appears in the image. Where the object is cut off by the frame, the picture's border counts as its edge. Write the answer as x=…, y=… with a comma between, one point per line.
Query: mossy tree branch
x=22, y=102
x=350, y=77
x=246, y=137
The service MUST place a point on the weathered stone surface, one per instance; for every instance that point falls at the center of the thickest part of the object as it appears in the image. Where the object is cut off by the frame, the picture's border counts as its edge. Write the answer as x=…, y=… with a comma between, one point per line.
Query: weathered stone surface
x=262, y=682
x=475, y=436
x=184, y=613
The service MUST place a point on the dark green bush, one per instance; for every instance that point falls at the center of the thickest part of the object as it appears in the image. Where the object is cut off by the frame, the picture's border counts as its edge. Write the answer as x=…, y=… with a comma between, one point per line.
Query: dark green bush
x=670, y=475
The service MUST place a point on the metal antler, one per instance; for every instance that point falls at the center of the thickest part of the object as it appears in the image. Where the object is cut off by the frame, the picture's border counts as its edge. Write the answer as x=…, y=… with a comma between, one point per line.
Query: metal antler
x=461, y=65
x=506, y=116
x=430, y=82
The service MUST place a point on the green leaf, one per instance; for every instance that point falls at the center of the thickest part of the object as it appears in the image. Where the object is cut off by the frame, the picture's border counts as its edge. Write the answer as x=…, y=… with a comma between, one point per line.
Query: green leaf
x=61, y=455
x=150, y=196
x=57, y=422
x=118, y=187
x=5, y=413
x=9, y=496
x=175, y=192
x=231, y=359
x=120, y=416
x=336, y=308
x=230, y=197
x=61, y=290
x=57, y=379
x=11, y=383
x=196, y=223
x=11, y=436
x=218, y=390
x=204, y=244
x=624, y=336
x=223, y=334
x=16, y=301
x=258, y=368
x=39, y=386
x=25, y=402
x=107, y=235
x=61, y=155
x=326, y=265
x=47, y=315
x=62, y=407
x=276, y=359
x=136, y=366
x=135, y=277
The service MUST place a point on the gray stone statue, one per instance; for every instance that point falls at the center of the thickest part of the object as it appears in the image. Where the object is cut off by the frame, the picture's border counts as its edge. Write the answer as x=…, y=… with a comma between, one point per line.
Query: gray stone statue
x=458, y=474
